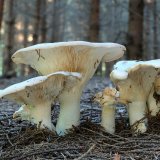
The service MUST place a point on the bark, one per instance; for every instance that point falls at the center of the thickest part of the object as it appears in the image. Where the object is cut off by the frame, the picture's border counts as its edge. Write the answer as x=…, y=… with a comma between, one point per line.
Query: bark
x=135, y=29
x=58, y=20
x=53, y=34
x=1, y=12
x=147, y=36
x=155, y=30
x=43, y=21
x=94, y=27
x=94, y=21
x=8, y=67
x=37, y=22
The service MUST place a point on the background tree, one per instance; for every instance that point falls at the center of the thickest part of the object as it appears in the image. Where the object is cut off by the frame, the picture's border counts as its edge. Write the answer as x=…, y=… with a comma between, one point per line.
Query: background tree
x=43, y=21
x=94, y=26
x=36, y=26
x=1, y=11
x=155, y=40
x=94, y=21
x=135, y=30
x=8, y=67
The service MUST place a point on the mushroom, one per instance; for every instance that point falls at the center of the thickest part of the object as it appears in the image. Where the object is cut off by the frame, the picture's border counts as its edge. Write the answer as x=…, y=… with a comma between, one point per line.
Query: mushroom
x=134, y=80
x=37, y=94
x=76, y=56
x=107, y=99
x=153, y=101
x=157, y=84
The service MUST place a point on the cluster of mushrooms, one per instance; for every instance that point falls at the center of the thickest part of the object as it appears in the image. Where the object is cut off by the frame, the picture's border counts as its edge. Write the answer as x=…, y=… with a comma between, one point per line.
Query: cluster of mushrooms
x=138, y=87
x=65, y=68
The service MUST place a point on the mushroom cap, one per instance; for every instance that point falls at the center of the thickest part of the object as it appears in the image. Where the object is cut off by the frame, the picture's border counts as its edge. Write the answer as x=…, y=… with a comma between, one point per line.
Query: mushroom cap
x=74, y=56
x=131, y=77
x=42, y=88
x=107, y=96
x=122, y=69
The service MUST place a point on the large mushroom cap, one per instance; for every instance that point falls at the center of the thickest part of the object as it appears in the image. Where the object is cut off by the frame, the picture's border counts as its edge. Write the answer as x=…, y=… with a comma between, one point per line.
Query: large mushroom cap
x=38, y=89
x=74, y=56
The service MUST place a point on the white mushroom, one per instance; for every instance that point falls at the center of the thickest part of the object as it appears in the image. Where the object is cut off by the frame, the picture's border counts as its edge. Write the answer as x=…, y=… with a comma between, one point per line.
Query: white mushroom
x=157, y=84
x=153, y=101
x=37, y=94
x=76, y=56
x=134, y=79
x=107, y=100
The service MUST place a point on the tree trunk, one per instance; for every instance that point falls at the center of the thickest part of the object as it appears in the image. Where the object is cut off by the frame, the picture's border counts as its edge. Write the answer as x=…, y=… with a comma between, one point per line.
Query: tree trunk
x=52, y=37
x=1, y=12
x=58, y=20
x=94, y=27
x=94, y=21
x=36, y=22
x=8, y=67
x=135, y=29
x=155, y=30
x=43, y=21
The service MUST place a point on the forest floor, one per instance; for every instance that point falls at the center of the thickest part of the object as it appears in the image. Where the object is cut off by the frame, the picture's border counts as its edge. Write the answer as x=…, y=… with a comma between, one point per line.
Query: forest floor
x=20, y=140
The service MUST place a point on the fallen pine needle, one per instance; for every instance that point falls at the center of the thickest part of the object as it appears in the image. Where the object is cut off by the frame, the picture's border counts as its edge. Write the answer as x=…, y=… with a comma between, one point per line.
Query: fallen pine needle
x=85, y=154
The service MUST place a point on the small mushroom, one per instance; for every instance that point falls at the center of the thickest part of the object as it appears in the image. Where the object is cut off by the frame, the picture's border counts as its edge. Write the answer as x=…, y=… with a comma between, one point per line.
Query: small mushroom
x=37, y=94
x=76, y=56
x=134, y=79
x=108, y=100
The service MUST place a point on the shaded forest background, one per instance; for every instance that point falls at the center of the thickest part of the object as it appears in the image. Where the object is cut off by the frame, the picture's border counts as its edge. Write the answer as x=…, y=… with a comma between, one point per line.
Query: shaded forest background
x=133, y=23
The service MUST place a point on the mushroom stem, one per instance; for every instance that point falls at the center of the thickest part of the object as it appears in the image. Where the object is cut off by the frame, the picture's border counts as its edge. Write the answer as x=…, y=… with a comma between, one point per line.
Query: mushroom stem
x=39, y=114
x=69, y=111
x=42, y=114
x=108, y=118
x=136, y=112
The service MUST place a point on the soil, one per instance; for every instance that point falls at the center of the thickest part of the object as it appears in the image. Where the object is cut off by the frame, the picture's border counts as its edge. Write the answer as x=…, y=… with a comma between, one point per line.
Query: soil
x=20, y=140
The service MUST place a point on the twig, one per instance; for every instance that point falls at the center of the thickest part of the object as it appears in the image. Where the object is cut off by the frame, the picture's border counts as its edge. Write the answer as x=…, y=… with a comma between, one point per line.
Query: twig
x=34, y=153
x=85, y=154
x=9, y=140
x=100, y=134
